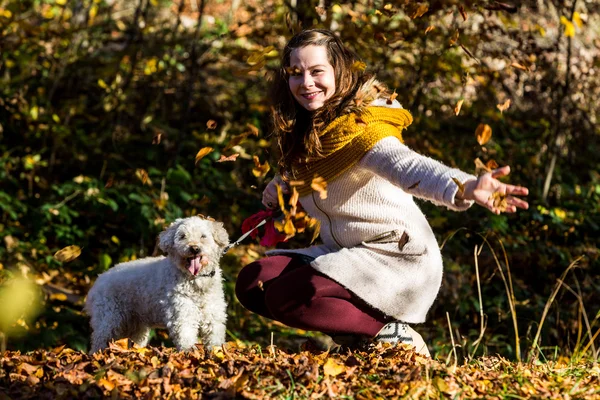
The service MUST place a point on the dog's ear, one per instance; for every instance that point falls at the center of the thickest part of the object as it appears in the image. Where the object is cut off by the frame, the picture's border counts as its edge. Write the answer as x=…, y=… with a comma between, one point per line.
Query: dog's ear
x=167, y=237
x=220, y=234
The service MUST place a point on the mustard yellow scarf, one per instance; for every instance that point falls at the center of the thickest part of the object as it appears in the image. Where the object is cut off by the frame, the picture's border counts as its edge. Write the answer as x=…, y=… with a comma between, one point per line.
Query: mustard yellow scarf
x=345, y=140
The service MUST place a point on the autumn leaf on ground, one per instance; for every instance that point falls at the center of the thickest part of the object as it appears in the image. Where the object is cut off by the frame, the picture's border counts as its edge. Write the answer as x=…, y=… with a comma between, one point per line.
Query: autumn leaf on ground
x=319, y=184
x=202, y=153
x=67, y=254
x=211, y=124
x=419, y=10
x=499, y=201
x=224, y=158
x=259, y=169
x=142, y=175
x=504, y=106
x=481, y=168
x=483, y=133
x=333, y=368
x=458, y=106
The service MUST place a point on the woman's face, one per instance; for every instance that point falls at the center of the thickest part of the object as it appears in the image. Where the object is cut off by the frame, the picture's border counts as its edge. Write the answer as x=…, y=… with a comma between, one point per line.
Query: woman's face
x=311, y=76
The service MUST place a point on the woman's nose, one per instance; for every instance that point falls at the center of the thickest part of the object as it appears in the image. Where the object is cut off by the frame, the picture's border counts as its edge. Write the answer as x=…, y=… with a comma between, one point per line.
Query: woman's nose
x=307, y=81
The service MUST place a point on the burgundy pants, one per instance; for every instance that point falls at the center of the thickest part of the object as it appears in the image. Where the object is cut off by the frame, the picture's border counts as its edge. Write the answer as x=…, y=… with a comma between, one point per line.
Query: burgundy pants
x=289, y=290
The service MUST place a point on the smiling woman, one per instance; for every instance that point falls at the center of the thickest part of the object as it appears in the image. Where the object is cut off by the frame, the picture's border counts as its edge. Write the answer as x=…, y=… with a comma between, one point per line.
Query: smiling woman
x=312, y=79
x=379, y=268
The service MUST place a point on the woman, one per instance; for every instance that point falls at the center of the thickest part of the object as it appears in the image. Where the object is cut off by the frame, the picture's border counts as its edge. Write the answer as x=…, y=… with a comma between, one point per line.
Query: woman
x=379, y=267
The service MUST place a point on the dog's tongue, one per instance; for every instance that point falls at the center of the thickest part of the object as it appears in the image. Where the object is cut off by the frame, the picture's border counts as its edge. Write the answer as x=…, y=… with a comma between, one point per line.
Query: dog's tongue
x=196, y=264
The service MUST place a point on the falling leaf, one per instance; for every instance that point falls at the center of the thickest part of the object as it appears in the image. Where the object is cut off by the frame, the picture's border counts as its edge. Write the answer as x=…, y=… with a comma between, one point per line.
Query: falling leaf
x=259, y=169
x=504, y=106
x=403, y=241
x=211, y=124
x=419, y=11
x=320, y=10
x=157, y=137
x=294, y=200
x=458, y=106
x=461, y=9
x=380, y=37
x=499, y=201
x=202, y=153
x=461, y=187
x=142, y=175
x=319, y=184
x=481, y=168
x=483, y=133
x=67, y=254
x=358, y=66
x=333, y=368
x=58, y=296
x=569, y=27
x=392, y=97
x=253, y=130
x=34, y=112
x=260, y=285
x=491, y=164
x=224, y=158
x=429, y=29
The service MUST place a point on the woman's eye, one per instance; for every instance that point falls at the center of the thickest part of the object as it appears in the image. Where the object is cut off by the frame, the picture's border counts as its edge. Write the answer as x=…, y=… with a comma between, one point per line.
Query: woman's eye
x=317, y=71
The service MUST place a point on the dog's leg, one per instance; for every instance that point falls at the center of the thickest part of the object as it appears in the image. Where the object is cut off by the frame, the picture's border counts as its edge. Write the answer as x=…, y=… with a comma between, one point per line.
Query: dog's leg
x=141, y=336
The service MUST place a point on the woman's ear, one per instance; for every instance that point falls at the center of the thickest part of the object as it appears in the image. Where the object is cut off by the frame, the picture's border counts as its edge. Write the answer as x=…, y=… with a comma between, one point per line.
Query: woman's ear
x=220, y=234
x=167, y=237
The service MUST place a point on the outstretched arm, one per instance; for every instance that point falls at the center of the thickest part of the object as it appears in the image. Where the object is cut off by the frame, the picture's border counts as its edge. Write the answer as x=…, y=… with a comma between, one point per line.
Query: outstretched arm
x=489, y=192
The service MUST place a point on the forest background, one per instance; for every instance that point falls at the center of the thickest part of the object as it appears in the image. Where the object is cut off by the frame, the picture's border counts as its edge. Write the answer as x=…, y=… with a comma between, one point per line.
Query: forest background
x=108, y=108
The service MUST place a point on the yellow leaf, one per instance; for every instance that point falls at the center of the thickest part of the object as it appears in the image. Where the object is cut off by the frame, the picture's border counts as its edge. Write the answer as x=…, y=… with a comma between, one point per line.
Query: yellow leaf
x=483, y=133
x=560, y=213
x=359, y=66
x=458, y=106
x=499, y=201
x=34, y=112
x=93, y=12
x=259, y=169
x=102, y=84
x=142, y=175
x=202, y=153
x=481, y=168
x=211, y=124
x=319, y=184
x=429, y=29
x=504, y=106
x=61, y=2
x=333, y=368
x=289, y=229
x=569, y=27
x=67, y=254
x=58, y=296
x=577, y=19
x=114, y=239
x=419, y=11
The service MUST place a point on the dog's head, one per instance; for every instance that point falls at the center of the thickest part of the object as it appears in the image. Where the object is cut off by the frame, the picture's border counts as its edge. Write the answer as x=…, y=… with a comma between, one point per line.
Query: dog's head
x=194, y=244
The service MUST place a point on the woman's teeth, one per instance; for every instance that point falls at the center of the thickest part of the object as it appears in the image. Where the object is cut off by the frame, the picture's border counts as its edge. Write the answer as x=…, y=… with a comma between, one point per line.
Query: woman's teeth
x=311, y=95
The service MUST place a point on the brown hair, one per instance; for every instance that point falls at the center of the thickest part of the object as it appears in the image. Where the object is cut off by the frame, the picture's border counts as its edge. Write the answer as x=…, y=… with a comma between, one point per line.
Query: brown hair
x=297, y=129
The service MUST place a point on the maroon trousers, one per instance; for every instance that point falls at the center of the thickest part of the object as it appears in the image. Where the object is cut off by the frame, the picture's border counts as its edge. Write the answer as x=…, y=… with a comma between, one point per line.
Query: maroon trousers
x=289, y=290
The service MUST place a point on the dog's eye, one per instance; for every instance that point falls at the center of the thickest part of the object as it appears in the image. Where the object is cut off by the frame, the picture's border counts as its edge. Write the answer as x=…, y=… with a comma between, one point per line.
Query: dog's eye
x=203, y=237
x=181, y=236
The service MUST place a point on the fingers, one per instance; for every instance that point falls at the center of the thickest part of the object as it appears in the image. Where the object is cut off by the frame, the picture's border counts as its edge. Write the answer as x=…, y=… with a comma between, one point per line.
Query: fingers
x=517, y=190
x=500, y=172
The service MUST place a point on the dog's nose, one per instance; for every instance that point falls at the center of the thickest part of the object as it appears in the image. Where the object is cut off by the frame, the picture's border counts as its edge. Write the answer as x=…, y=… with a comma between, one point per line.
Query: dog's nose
x=195, y=249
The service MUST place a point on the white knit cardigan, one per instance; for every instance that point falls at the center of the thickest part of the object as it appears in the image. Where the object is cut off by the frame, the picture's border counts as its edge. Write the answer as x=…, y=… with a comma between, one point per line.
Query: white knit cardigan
x=367, y=211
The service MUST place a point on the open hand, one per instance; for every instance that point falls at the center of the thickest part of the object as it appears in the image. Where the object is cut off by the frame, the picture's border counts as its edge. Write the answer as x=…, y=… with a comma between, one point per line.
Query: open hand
x=489, y=192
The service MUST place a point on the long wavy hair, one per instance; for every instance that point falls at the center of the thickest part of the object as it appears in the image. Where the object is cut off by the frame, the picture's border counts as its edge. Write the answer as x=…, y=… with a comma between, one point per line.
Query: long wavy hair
x=297, y=129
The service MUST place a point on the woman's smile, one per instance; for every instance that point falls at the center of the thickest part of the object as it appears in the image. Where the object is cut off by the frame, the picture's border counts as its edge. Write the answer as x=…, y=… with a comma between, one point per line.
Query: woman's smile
x=312, y=80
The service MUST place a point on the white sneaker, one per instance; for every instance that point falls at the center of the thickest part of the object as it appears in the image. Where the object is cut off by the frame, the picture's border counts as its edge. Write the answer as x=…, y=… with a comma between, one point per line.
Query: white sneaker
x=399, y=332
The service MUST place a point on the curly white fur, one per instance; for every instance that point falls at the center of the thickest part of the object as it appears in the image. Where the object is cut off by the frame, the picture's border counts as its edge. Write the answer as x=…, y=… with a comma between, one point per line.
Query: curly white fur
x=182, y=292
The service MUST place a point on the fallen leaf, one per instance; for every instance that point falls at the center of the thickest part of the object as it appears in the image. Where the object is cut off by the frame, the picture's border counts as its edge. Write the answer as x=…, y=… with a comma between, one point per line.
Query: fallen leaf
x=67, y=254
x=504, y=106
x=333, y=368
x=569, y=27
x=142, y=175
x=458, y=106
x=202, y=153
x=211, y=124
x=483, y=134
x=224, y=158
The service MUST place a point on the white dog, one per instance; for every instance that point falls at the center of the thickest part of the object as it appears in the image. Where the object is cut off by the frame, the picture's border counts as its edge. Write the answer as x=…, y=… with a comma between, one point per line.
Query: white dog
x=182, y=292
